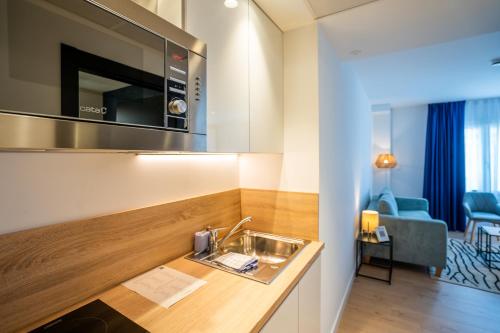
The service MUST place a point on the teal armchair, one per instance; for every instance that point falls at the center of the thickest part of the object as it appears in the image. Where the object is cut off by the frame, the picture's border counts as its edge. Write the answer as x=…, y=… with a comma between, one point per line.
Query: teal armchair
x=480, y=207
x=418, y=238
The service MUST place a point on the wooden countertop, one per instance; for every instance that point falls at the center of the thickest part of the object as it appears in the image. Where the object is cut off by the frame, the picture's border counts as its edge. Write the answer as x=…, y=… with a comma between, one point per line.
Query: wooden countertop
x=227, y=303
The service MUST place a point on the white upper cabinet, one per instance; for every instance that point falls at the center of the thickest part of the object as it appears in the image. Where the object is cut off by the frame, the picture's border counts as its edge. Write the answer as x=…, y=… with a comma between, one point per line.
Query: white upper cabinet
x=226, y=33
x=266, y=83
x=244, y=74
x=170, y=10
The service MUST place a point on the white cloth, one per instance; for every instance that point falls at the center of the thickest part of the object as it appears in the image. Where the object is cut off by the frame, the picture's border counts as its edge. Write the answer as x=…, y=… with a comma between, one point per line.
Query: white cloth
x=237, y=261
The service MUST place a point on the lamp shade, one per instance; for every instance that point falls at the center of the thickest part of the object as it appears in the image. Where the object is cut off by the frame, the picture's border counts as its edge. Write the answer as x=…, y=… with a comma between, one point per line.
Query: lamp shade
x=386, y=161
x=369, y=220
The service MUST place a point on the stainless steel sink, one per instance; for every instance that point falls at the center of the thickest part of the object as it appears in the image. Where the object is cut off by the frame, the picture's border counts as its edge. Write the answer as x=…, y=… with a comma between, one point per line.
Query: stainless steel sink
x=274, y=253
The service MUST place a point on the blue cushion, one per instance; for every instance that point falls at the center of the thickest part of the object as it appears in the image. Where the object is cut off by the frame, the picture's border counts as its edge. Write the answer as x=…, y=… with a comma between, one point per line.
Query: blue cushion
x=484, y=216
x=387, y=203
x=415, y=214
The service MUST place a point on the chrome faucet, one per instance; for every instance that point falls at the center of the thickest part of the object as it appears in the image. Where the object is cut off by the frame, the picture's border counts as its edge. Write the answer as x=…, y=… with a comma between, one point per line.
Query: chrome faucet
x=214, y=243
x=235, y=228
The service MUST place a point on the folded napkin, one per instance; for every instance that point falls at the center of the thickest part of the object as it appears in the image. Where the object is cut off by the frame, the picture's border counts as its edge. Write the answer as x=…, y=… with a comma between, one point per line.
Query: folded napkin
x=239, y=262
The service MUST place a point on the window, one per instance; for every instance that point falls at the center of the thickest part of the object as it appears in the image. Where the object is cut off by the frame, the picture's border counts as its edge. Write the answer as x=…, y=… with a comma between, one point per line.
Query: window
x=482, y=145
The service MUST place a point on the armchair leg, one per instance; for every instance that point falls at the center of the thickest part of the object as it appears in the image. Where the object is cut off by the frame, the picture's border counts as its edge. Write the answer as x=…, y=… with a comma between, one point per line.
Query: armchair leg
x=439, y=270
x=467, y=226
x=472, y=232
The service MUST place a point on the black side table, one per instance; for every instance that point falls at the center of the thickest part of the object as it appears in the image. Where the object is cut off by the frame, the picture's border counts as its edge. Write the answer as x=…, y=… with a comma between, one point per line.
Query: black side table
x=484, y=247
x=363, y=241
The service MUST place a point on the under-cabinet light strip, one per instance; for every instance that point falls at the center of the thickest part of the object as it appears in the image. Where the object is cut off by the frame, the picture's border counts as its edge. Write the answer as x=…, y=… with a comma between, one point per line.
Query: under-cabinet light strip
x=182, y=153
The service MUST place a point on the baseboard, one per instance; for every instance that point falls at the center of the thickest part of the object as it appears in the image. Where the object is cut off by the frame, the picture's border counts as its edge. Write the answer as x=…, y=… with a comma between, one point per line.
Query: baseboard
x=345, y=299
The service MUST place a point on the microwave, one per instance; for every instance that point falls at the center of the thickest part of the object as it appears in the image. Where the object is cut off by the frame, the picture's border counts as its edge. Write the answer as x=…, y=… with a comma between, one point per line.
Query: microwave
x=106, y=74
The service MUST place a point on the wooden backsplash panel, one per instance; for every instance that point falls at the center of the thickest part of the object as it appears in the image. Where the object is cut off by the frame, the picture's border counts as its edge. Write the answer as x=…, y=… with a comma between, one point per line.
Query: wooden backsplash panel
x=286, y=213
x=47, y=269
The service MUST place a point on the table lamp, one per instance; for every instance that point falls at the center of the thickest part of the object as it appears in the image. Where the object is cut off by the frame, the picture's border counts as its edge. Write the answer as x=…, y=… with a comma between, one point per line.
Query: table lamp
x=369, y=222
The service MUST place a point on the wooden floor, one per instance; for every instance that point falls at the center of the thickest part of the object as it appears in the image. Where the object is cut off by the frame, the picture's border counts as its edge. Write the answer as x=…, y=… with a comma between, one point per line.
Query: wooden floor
x=416, y=303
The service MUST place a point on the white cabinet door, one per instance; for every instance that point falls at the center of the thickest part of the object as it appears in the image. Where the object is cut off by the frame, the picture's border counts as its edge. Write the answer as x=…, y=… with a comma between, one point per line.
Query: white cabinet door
x=286, y=317
x=300, y=312
x=170, y=10
x=266, y=83
x=226, y=33
x=310, y=299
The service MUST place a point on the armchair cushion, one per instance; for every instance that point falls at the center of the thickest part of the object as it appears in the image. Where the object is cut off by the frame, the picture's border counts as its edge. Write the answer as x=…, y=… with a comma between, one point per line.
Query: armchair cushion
x=484, y=216
x=387, y=204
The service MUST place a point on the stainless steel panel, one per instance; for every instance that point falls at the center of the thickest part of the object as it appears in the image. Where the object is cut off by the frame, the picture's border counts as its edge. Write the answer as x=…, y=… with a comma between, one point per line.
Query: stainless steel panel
x=39, y=129
x=20, y=132
x=197, y=94
x=143, y=17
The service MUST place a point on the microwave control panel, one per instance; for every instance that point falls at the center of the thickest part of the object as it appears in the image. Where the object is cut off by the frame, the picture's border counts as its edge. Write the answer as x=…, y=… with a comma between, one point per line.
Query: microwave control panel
x=176, y=85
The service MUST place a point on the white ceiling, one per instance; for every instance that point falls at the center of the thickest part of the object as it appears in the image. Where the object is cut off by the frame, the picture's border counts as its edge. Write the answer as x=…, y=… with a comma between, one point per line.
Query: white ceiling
x=287, y=14
x=420, y=51
x=386, y=26
x=409, y=52
x=322, y=8
x=291, y=14
x=444, y=72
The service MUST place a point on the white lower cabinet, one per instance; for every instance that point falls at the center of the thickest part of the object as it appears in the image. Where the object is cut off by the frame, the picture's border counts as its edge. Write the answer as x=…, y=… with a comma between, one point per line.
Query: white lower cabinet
x=300, y=311
x=310, y=299
x=286, y=317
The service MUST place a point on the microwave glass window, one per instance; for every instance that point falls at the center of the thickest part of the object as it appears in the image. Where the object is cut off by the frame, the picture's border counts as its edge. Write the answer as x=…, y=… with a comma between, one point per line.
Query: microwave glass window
x=105, y=99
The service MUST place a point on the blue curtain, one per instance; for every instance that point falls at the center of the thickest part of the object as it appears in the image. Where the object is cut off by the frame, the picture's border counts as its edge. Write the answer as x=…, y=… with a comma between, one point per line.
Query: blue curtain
x=444, y=176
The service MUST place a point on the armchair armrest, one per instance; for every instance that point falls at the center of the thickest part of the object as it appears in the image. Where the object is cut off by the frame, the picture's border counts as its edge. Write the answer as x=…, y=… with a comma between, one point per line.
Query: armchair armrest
x=468, y=210
x=498, y=208
x=412, y=203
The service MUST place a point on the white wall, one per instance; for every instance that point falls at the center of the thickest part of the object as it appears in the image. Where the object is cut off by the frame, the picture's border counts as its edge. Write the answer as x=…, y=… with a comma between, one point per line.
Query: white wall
x=298, y=168
x=44, y=188
x=301, y=120
x=381, y=144
x=409, y=127
x=345, y=173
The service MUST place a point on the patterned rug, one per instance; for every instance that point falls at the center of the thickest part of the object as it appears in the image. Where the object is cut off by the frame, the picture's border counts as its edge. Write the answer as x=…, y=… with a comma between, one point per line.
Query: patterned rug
x=465, y=267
